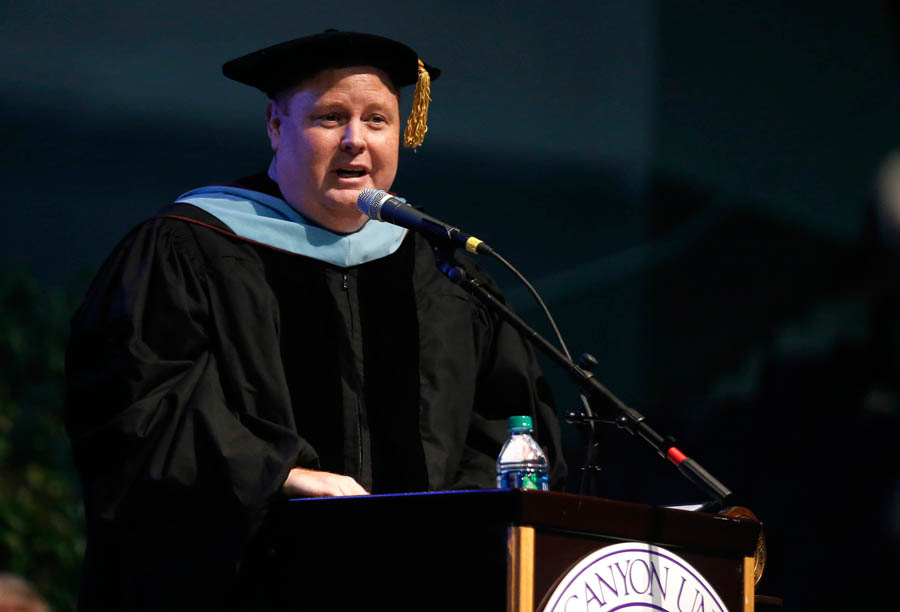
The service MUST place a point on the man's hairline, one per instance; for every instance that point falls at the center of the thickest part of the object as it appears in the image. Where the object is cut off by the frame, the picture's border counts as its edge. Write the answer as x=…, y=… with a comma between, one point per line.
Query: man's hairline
x=279, y=98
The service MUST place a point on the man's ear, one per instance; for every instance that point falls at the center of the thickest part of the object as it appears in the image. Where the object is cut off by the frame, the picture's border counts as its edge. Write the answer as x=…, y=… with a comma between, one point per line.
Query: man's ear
x=273, y=123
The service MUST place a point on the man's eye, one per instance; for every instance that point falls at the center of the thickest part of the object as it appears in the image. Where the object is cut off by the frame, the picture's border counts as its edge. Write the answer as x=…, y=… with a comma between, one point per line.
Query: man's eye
x=378, y=119
x=330, y=117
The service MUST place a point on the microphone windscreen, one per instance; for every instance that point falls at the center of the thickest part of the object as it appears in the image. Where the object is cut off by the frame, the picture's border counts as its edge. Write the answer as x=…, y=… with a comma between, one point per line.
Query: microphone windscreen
x=369, y=202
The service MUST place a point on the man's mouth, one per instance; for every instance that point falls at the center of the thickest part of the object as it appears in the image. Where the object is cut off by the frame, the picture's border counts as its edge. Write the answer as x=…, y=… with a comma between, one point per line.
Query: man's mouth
x=344, y=173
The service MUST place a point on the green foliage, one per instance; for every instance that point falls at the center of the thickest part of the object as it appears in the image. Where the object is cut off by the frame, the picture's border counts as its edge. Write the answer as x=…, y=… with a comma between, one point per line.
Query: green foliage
x=41, y=516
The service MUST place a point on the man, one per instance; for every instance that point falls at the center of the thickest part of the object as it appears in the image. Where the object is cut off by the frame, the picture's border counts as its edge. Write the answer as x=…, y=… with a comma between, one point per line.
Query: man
x=262, y=340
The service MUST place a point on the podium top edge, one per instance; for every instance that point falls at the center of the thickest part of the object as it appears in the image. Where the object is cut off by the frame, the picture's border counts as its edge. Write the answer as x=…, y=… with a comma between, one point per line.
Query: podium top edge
x=544, y=510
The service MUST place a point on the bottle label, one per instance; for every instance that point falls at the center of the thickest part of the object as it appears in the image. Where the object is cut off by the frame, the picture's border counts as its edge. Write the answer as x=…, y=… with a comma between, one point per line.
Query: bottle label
x=521, y=479
x=529, y=481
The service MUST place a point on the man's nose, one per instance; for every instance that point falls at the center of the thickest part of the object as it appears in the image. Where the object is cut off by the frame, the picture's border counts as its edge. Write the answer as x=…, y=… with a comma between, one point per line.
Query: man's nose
x=352, y=140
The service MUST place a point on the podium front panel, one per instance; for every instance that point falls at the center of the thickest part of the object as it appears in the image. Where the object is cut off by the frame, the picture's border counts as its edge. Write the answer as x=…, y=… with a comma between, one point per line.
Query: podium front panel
x=451, y=550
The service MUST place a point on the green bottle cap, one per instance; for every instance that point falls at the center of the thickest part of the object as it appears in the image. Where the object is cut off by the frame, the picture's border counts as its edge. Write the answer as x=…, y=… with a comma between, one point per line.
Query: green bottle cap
x=519, y=422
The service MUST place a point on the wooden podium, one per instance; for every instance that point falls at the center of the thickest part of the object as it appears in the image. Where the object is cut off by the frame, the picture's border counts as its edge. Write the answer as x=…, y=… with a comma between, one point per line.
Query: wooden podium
x=473, y=550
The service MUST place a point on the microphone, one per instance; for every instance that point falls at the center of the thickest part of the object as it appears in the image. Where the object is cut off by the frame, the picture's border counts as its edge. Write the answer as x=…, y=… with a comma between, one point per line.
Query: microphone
x=379, y=204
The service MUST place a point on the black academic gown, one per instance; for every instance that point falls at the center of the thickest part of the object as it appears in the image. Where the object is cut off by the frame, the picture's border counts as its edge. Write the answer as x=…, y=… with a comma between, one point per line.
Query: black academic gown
x=202, y=367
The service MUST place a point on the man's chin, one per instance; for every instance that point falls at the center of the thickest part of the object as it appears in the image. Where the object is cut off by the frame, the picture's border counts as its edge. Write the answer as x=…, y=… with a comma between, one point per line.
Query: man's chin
x=345, y=201
x=340, y=211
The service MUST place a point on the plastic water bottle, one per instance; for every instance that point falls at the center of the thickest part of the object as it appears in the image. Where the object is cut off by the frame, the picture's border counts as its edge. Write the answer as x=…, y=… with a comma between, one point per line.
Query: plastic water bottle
x=522, y=464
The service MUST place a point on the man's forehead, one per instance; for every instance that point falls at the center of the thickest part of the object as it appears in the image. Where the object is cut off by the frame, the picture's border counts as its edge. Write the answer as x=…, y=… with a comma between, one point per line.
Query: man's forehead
x=342, y=85
x=356, y=77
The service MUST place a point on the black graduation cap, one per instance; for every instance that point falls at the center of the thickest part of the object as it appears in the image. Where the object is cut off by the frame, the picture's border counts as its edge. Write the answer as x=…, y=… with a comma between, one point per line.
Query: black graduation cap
x=284, y=65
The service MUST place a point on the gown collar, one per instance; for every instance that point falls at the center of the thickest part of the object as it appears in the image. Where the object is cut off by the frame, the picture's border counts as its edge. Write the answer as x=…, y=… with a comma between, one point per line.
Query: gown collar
x=268, y=219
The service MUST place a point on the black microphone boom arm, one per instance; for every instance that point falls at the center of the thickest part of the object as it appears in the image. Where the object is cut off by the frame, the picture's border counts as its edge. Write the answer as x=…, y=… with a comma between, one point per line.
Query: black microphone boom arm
x=628, y=419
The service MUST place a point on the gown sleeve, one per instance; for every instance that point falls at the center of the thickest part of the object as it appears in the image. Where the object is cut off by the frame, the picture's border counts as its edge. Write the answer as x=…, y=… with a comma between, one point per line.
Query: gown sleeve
x=169, y=420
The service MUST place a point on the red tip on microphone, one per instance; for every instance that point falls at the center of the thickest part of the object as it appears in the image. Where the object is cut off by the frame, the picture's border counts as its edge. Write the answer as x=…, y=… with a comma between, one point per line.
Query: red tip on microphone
x=675, y=456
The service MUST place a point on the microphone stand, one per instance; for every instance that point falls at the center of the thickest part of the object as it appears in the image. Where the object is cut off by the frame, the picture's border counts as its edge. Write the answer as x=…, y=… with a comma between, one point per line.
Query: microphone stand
x=627, y=418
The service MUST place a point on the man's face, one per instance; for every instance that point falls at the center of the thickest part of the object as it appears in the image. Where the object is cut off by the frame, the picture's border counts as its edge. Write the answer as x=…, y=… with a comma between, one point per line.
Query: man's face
x=339, y=134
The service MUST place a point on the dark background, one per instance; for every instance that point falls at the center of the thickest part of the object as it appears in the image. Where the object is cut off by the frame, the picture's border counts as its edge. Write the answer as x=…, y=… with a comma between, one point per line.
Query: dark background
x=690, y=186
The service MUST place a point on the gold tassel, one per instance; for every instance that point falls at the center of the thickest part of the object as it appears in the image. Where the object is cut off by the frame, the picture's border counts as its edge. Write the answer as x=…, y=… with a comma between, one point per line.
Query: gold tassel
x=417, y=124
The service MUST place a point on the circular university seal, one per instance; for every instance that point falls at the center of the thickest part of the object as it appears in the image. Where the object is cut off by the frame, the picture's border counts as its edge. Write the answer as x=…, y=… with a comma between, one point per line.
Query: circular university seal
x=637, y=576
